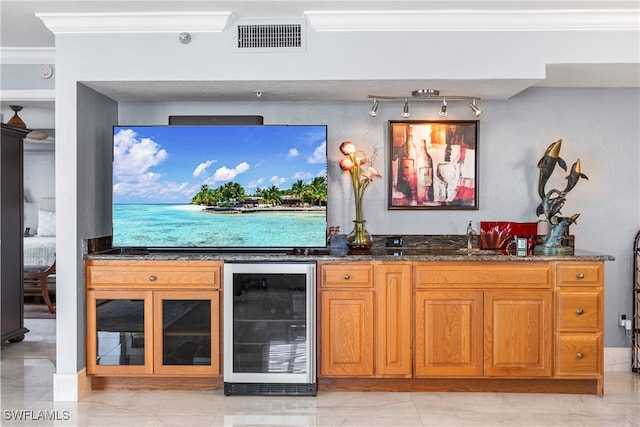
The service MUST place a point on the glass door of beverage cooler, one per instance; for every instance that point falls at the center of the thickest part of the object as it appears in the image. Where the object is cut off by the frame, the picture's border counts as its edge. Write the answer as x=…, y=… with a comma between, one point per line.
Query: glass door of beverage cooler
x=269, y=329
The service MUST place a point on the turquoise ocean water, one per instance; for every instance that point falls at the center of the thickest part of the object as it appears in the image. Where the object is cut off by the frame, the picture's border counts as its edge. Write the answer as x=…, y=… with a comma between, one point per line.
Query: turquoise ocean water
x=165, y=225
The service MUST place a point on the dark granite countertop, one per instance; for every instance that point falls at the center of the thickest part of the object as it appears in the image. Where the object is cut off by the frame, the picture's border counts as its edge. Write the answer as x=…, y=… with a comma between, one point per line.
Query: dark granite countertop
x=414, y=248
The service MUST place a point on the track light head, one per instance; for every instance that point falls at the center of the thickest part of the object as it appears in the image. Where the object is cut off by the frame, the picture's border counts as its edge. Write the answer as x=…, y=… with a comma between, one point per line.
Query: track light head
x=443, y=109
x=477, y=111
x=374, y=110
x=405, y=109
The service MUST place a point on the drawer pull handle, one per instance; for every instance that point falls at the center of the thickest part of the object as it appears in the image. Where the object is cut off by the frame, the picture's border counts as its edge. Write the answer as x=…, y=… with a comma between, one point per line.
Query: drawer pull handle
x=579, y=312
x=152, y=278
x=580, y=356
x=347, y=277
x=580, y=276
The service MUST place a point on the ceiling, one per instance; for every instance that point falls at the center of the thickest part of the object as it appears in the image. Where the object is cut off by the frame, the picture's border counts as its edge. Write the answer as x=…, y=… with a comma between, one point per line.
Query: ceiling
x=20, y=28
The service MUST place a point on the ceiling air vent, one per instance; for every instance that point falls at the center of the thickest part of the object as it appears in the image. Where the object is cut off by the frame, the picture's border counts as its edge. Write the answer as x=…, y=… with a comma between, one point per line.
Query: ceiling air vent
x=270, y=37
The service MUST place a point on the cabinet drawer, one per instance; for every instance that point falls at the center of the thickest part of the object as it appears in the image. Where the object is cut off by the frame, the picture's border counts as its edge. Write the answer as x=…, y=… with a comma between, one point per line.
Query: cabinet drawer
x=578, y=354
x=579, y=311
x=346, y=275
x=143, y=274
x=486, y=274
x=579, y=273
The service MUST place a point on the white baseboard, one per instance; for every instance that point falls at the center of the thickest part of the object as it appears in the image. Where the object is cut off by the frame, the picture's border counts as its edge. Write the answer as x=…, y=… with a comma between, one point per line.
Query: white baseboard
x=74, y=387
x=617, y=359
x=71, y=387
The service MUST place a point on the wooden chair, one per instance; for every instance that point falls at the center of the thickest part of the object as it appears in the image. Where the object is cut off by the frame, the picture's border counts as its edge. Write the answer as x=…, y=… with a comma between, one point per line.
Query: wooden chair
x=39, y=278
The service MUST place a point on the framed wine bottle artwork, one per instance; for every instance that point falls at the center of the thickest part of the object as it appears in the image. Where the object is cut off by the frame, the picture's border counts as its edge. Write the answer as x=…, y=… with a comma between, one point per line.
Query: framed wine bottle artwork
x=433, y=164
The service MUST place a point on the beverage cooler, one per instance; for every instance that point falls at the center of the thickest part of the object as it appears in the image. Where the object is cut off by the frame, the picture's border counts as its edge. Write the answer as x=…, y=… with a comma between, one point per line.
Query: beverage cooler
x=269, y=329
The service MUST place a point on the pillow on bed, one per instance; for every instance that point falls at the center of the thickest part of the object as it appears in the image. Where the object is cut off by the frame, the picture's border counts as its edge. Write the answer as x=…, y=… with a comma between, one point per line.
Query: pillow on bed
x=46, y=223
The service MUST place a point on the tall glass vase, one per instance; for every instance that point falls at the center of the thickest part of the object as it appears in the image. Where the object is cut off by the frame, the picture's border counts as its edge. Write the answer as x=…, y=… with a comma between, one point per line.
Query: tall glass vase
x=359, y=240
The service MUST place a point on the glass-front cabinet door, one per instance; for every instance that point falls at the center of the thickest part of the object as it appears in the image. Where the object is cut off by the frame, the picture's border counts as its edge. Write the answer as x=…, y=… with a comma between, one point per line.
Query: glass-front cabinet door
x=186, y=332
x=119, y=338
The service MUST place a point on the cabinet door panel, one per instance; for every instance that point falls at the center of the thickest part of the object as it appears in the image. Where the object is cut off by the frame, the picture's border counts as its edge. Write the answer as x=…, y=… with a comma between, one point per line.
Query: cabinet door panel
x=119, y=333
x=518, y=334
x=448, y=333
x=393, y=319
x=186, y=333
x=347, y=333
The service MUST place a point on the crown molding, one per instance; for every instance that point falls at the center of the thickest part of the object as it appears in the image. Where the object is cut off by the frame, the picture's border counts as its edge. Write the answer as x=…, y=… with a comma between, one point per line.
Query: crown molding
x=135, y=22
x=353, y=20
x=476, y=20
x=28, y=95
x=27, y=55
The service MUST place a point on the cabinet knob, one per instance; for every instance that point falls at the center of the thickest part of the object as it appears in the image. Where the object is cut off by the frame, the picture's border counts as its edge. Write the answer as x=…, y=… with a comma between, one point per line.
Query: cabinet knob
x=347, y=277
x=152, y=278
x=579, y=312
x=580, y=356
x=580, y=276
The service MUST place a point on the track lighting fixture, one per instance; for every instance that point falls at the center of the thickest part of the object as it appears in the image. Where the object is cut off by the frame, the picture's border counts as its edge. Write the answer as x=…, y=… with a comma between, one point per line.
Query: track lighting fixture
x=426, y=95
x=477, y=111
x=374, y=109
x=405, y=109
x=443, y=109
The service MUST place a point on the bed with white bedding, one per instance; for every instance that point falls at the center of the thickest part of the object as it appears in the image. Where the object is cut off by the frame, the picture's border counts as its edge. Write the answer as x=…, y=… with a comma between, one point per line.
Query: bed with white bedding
x=39, y=252
x=39, y=256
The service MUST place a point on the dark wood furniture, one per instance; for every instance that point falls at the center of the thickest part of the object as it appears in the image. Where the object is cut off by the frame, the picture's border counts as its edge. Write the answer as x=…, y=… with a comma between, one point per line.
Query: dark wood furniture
x=11, y=234
x=36, y=283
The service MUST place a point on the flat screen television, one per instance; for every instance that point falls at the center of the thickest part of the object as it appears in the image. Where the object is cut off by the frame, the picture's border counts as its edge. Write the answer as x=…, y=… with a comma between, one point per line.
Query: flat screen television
x=220, y=187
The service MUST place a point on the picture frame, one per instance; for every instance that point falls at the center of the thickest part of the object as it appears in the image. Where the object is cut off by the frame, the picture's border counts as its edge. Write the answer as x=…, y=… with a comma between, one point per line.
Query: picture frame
x=433, y=164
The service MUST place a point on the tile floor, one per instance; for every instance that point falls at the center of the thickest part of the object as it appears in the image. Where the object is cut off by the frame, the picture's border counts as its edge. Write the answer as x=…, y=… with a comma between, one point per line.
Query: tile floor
x=26, y=385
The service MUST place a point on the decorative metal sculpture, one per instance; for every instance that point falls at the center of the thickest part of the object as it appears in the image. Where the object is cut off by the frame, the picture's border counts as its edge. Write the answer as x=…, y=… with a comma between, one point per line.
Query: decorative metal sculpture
x=553, y=200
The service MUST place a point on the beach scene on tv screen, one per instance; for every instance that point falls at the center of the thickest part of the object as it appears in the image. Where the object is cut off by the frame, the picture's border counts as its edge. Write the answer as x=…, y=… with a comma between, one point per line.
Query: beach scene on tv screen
x=219, y=186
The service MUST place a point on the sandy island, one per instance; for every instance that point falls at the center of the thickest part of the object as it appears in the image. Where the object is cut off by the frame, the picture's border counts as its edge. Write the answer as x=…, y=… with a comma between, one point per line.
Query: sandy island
x=255, y=209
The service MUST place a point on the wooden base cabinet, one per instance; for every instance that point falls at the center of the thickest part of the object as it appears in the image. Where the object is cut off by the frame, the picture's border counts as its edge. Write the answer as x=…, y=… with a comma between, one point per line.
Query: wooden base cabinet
x=483, y=319
x=520, y=326
x=579, y=320
x=365, y=319
x=153, y=318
